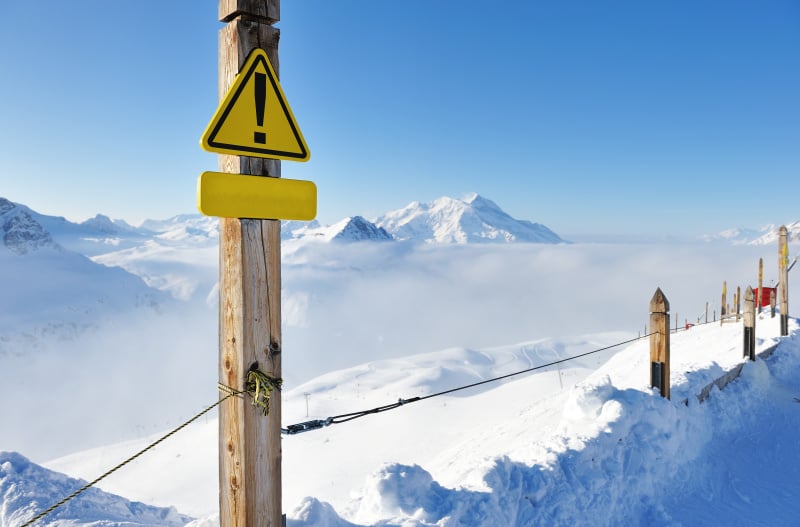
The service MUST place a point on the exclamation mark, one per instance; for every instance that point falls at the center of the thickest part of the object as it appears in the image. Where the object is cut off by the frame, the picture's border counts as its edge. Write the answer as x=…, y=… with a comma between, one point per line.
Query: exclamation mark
x=261, y=101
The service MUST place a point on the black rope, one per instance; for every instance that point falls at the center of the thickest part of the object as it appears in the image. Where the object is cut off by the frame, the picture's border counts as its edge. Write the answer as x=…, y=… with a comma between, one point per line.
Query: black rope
x=343, y=418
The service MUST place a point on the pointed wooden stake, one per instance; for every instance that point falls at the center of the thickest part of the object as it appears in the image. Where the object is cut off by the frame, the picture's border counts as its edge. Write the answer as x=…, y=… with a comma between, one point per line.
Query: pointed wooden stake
x=659, y=343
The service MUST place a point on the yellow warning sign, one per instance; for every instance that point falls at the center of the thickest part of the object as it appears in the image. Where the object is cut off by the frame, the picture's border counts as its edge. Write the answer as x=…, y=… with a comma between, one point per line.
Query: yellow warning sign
x=254, y=118
x=239, y=196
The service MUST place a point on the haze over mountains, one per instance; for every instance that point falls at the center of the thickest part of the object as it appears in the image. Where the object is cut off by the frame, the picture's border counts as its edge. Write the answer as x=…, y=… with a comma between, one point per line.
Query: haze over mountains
x=70, y=275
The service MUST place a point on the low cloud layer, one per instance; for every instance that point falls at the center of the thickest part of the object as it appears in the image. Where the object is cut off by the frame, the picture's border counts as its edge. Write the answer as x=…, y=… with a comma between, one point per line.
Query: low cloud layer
x=346, y=304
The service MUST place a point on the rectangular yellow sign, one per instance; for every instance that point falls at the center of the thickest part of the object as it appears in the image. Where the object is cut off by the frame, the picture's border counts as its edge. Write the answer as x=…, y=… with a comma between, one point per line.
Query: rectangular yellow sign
x=242, y=196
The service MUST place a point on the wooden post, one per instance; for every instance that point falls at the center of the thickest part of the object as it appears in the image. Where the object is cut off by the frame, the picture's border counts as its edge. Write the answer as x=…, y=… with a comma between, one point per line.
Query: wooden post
x=676, y=322
x=249, y=298
x=749, y=324
x=722, y=310
x=707, y=313
x=738, y=302
x=659, y=343
x=760, y=283
x=783, y=273
x=772, y=302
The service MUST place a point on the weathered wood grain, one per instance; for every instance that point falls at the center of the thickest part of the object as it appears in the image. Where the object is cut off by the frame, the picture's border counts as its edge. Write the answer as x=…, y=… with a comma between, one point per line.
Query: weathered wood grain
x=659, y=337
x=249, y=296
x=749, y=324
x=783, y=276
x=267, y=10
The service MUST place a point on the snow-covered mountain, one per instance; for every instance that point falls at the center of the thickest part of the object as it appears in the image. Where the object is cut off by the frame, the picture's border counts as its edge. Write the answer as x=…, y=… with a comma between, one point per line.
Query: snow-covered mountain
x=26, y=489
x=22, y=233
x=474, y=219
x=94, y=236
x=446, y=220
x=352, y=229
x=56, y=292
x=766, y=235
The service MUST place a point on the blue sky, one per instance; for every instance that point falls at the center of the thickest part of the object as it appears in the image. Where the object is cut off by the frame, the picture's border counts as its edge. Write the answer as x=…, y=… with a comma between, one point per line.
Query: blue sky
x=614, y=117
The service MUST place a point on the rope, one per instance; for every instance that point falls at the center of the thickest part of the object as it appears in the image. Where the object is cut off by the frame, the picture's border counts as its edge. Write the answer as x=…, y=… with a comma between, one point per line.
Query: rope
x=343, y=418
x=130, y=459
x=259, y=385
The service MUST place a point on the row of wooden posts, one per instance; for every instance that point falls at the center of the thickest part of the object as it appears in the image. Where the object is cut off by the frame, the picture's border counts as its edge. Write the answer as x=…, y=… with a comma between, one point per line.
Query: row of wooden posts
x=660, y=317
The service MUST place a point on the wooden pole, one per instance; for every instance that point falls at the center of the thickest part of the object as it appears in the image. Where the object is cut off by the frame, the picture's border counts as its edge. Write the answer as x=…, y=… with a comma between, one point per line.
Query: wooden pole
x=772, y=303
x=706, y=312
x=749, y=324
x=249, y=298
x=760, y=283
x=659, y=343
x=722, y=310
x=783, y=273
x=738, y=302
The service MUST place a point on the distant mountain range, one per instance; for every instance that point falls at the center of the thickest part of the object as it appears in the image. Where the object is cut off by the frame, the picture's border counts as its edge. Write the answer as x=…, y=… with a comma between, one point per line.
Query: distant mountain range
x=65, y=277
x=473, y=219
x=766, y=235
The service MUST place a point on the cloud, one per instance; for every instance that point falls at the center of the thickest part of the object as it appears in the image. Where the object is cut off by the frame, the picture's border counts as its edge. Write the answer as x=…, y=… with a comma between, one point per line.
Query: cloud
x=361, y=302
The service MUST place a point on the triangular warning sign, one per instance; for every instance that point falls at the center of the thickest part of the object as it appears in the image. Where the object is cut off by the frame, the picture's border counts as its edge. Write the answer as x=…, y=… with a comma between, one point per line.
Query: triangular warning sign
x=254, y=119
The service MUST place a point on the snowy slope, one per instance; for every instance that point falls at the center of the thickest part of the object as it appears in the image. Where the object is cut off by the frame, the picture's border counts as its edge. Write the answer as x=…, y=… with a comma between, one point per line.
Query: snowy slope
x=584, y=443
x=474, y=219
x=541, y=437
x=27, y=489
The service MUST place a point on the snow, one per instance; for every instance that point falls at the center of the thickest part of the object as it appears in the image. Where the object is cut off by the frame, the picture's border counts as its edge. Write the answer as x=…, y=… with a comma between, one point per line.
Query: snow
x=473, y=219
x=581, y=444
x=765, y=235
x=27, y=489
x=584, y=442
x=350, y=229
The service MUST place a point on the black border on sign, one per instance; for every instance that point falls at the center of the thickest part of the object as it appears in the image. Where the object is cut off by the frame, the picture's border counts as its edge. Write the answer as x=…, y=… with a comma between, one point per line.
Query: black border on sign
x=239, y=148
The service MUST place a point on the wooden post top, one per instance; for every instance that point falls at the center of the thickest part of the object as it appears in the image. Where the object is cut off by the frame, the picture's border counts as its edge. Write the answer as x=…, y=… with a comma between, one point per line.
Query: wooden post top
x=749, y=308
x=268, y=10
x=659, y=302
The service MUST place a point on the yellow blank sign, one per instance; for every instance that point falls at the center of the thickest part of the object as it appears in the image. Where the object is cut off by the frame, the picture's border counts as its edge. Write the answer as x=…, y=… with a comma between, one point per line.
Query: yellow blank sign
x=242, y=196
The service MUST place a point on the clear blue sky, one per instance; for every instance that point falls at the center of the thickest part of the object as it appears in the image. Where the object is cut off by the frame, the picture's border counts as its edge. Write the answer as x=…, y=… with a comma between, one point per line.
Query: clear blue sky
x=616, y=117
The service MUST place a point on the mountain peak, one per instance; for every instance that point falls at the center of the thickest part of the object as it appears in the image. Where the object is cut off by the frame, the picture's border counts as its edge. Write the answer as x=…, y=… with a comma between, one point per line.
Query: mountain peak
x=351, y=229
x=103, y=224
x=22, y=234
x=474, y=219
x=356, y=228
